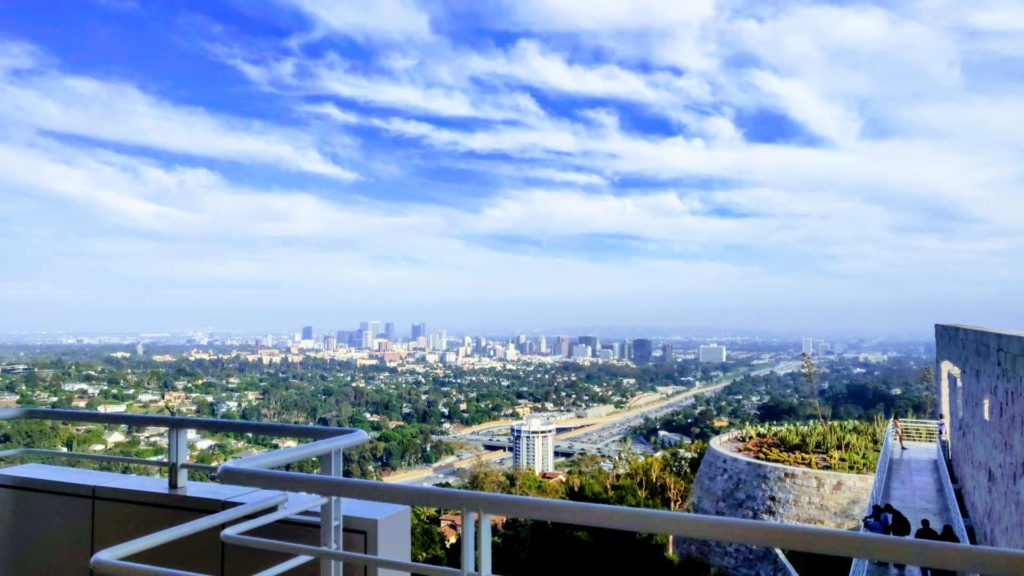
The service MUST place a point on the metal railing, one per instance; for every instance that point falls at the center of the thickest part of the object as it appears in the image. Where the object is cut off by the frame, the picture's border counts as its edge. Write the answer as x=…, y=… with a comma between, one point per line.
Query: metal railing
x=920, y=430
x=478, y=508
x=327, y=447
x=859, y=566
x=949, y=494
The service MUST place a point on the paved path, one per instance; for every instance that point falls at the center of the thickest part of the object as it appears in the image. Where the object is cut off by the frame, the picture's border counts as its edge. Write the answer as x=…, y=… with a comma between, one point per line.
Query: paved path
x=913, y=487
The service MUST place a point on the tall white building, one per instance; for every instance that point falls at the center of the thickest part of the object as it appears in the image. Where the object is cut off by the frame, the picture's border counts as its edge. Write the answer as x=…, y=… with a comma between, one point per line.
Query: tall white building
x=581, y=351
x=533, y=445
x=808, y=346
x=822, y=348
x=712, y=353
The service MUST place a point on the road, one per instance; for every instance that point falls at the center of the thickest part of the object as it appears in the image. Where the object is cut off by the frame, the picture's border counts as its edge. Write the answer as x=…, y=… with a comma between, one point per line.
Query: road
x=591, y=435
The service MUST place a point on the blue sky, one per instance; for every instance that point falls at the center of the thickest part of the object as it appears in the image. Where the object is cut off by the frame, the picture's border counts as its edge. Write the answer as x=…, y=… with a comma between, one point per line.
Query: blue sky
x=526, y=165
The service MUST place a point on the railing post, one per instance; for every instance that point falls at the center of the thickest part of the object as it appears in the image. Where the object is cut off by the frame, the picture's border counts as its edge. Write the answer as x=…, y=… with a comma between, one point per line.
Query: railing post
x=484, y=543
x=177, y=454
x=468, y=547
x=331, y=516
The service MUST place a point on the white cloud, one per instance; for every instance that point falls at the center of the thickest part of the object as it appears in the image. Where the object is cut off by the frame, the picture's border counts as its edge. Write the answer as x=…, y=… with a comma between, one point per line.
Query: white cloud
x=381, y=19
x=42, y=99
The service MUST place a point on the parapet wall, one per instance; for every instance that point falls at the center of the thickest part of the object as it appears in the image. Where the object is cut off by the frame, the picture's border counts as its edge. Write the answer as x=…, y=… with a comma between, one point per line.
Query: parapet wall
x=980, y=386
x=731, y=484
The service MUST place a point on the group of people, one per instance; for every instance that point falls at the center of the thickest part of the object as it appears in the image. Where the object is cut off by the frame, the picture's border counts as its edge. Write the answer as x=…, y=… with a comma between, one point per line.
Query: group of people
x=888, y=520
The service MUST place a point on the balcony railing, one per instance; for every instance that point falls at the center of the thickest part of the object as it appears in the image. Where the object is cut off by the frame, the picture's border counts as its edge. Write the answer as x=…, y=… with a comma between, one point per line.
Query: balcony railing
x=859, y=566
x=477, y=508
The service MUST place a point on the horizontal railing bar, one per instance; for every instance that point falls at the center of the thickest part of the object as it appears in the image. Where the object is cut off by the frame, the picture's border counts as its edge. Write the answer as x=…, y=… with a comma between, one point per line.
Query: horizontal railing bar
x=285, y=566
x=157, y=421
x=200, y=467
x=17, y=452
x=300, y=452
x=354, y=557
x=271, y=517
x=109, y=561
x=829, y=541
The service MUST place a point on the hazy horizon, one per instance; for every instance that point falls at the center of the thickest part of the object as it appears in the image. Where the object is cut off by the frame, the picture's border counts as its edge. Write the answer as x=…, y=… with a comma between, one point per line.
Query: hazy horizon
x=534, y=165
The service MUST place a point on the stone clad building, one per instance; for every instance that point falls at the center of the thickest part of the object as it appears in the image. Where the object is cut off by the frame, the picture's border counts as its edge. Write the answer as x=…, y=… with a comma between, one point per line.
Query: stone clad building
x=980, y=387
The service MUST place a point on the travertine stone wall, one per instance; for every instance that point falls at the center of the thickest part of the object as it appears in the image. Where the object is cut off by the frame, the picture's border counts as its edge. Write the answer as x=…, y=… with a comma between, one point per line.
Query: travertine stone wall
x=730, y=484
x=987, y=454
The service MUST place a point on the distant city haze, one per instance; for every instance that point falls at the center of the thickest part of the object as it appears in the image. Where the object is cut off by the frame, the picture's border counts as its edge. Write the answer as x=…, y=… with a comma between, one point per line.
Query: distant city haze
x=540, y=167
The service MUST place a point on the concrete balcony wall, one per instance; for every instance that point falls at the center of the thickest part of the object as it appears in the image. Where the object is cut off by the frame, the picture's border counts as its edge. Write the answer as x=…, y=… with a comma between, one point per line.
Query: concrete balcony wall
x=984, y=406
x=54, y=518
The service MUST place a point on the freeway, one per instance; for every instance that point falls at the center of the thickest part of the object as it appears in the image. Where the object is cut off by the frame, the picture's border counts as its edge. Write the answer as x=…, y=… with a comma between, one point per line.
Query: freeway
x=595, y=435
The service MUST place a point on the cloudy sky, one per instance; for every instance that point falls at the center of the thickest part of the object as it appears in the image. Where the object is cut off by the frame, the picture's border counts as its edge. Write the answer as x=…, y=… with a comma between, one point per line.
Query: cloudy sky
x=526, y=164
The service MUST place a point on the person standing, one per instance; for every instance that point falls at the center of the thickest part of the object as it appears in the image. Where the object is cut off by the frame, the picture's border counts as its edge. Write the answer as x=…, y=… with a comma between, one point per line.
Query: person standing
x=947, y=535
x=897, y=426
x=926, y=532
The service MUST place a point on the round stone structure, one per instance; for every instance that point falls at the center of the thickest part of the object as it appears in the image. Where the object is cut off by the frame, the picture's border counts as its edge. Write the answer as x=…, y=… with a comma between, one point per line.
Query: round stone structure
x=732, y=484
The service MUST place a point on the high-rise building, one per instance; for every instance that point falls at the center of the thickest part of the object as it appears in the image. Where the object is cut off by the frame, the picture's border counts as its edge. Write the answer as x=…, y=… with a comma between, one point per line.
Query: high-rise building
x=533, y=445
x=822, y=348
x=642, y=350
x=808, y=347
x=307, y=332
x=374, y=327
x=419, y=331
x=542, y=346
x=438, y=341
x=627, y=350
x=712, y=353
x=330, y=342
x=343, y=337
x=668, y=355
x=562, y=346
x=581, y=351
x=389, y=331
x=592, y=342
x=366, y=337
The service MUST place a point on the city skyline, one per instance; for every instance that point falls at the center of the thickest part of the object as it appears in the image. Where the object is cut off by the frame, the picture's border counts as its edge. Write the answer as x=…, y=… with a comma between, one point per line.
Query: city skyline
x=810, y=167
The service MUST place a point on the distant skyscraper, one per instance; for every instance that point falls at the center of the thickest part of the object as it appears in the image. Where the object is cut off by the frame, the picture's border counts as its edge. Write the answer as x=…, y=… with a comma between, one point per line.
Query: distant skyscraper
x=642, y=350
x=592, y=342
x=627, y=350
x=366, y=337
x=667, y=354
x=307, y=332
x=581, y=351
x=419, y=331
x=389, y=331
x=562, y=346
x=533, y=445
x=542, y=346
x=330, y=342
x=822, y=348
x=808, y=347
x=343, y=337
x=712, y=353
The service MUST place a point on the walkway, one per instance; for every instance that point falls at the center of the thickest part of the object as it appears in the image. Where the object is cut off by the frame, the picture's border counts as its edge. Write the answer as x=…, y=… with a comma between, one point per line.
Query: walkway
x=913, y=487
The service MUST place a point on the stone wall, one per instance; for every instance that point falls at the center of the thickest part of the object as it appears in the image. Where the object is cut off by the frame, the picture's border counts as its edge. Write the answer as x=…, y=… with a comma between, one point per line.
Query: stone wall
x=976, y=367
x=731, y=484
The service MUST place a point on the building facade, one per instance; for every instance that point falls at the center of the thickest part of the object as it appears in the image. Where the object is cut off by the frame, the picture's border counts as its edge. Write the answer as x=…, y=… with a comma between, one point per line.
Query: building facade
x=533, y=445
x=642, y=350
x=979, y=378
x=712, y=353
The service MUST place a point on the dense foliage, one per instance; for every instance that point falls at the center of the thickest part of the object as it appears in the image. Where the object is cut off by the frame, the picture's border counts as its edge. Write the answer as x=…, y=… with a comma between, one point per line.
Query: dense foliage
x=841, y=446
x=520, y=546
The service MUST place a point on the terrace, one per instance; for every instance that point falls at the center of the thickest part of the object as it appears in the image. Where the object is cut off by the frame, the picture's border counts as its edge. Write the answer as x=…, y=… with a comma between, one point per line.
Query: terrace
x=260, y=516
